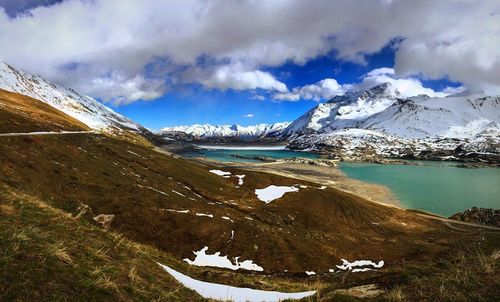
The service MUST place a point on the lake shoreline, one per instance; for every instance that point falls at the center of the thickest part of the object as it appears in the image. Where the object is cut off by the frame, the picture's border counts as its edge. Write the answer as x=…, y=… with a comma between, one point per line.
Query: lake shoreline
x=330, y=176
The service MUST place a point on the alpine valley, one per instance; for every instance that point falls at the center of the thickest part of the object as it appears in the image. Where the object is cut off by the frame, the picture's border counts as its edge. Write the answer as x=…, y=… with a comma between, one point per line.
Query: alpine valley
x=249, y=151
x=93, y=207
x=380, y=123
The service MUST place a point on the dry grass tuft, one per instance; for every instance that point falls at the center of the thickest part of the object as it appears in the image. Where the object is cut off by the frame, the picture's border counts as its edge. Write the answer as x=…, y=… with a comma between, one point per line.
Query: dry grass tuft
x=132, y=274
x=60, y=251
x=488, y=262
x=396, y=295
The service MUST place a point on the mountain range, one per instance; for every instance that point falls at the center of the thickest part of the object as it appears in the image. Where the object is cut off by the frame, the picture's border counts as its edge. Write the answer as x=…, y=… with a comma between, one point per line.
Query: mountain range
x=93, y=208
x=381, y=122
x=375, y=123
x=220, y=131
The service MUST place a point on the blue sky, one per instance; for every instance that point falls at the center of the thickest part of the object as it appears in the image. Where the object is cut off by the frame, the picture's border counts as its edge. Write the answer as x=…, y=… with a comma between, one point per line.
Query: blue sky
x=177, y=62
x=198, y=105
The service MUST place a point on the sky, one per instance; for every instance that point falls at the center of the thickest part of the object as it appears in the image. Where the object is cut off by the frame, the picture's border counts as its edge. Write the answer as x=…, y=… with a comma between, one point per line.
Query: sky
x=167, y=63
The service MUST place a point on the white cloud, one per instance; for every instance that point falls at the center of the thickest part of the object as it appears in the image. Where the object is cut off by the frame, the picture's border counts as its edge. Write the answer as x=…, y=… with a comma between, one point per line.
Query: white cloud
x=457, y=39
x=236, y=77
x=407, y=87
x=250, y=115
x=122, y=90
x=323, y=89
x=328, y=88
x=258, y=97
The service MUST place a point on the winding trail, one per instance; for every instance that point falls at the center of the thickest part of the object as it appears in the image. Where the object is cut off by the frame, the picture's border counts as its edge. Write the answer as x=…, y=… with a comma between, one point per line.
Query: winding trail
x=46, y=133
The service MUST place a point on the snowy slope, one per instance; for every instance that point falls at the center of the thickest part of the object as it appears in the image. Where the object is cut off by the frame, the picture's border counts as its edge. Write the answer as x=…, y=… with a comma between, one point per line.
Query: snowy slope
x=382, y=108
x=449, y=117
x=211, y=131
x=380, y=122
x=83, y=108
x=344, y=111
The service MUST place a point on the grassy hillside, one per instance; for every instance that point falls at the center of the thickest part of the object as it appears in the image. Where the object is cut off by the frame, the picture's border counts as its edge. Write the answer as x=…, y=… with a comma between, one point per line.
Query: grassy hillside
x=123, y=175
x=20, y=113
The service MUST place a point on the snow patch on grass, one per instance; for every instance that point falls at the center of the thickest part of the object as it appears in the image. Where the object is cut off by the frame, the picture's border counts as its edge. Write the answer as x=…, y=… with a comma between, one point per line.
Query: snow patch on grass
x=220, y=173
x=205, y=215
x=216, y=260
x=178, y=211
x=227, y=218
x=360, y=265
x=273, y=192
x=178, y=193
x=240, y=179
x=225, y=292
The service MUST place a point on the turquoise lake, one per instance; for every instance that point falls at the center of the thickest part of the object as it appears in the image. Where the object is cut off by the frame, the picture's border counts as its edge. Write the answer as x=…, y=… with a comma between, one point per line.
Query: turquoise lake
x=226, y=155
x=440, y=188
x=436, y=187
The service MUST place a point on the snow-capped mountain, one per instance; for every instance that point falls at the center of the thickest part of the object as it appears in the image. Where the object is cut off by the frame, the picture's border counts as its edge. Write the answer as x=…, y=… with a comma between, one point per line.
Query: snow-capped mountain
x=81, y=107
x=344, y=110
x=382, y=108
x=225, y=131
x=380, y=121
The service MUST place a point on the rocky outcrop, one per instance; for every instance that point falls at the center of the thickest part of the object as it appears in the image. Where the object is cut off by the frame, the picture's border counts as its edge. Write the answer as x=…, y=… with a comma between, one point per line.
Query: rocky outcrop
x=483, y=216
x=319, y=162
x=104, y=220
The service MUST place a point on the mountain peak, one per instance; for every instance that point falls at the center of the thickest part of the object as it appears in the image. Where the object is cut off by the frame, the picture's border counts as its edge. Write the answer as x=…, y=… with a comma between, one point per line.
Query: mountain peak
x=83, y=108
x=384, y=89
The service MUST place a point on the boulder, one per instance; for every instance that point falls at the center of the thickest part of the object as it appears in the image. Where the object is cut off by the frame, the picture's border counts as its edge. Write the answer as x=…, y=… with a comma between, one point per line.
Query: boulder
x=104, y=220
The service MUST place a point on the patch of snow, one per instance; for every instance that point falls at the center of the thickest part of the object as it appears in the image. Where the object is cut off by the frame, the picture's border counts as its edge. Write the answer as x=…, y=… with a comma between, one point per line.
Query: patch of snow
x=322, y=187
x=310, y=273
x=174, y=191
x=220, y=173
x=237, y=294
x=359, y=265
x=153, y=189
x=360, y=270
x=216, y=260
x=178, y=211
x=205, y=215
x=273, y=192
x=240, y=179
x=227, y=218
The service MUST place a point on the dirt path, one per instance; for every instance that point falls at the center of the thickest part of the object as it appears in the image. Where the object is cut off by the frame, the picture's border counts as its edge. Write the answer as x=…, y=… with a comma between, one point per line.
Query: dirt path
x=46, y=133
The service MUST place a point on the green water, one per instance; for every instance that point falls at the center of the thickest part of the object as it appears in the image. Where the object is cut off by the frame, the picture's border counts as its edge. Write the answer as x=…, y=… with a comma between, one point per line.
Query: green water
x=440, y=188
x=226, y=155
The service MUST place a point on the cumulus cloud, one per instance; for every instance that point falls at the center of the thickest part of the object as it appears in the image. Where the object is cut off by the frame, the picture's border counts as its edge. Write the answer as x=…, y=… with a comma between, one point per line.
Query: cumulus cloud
x=321, y=90
x=235, y=77
x=407, y=86
x=328, y=88
x=121, y=90
x=457, y=39
x=250, y=115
